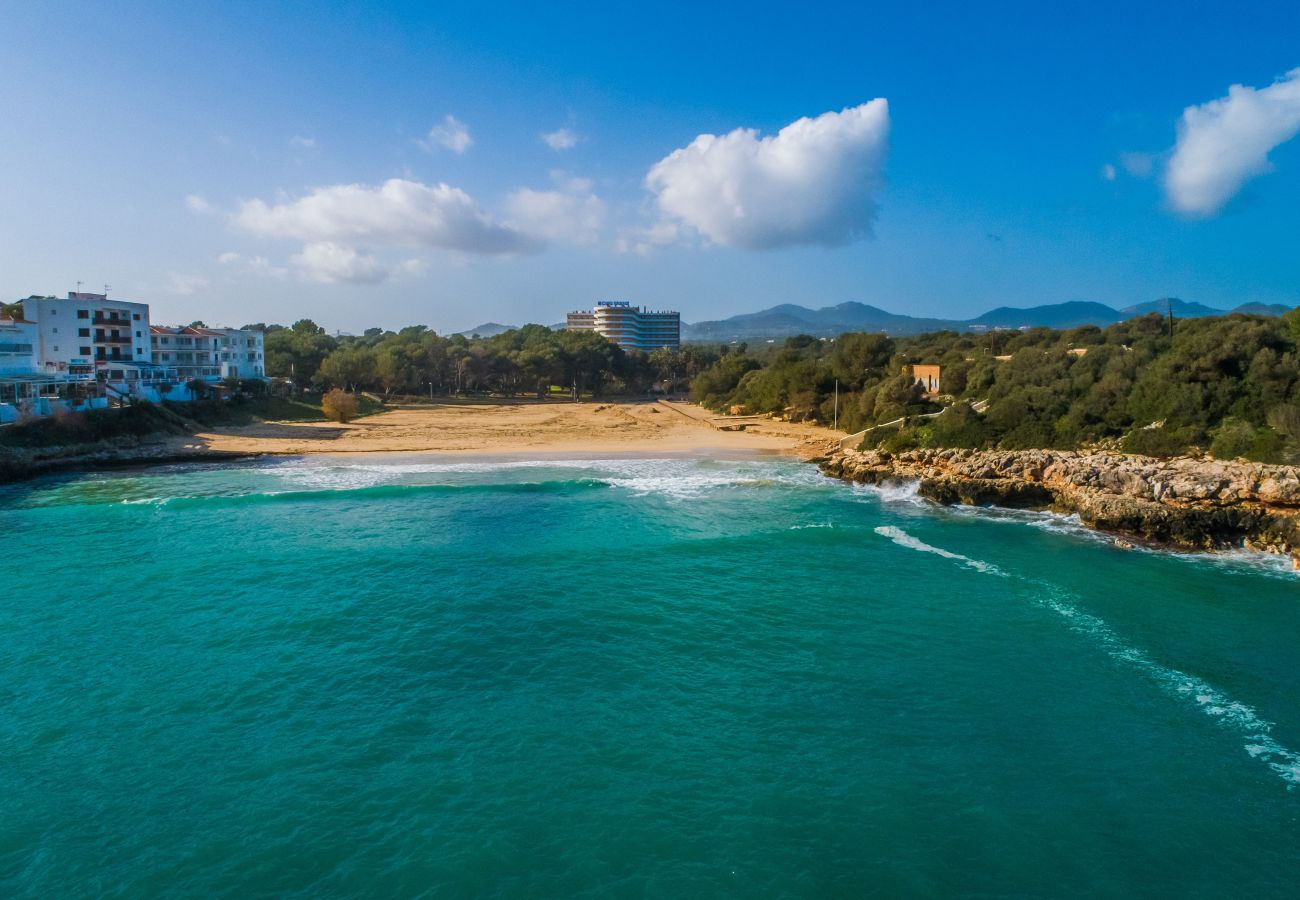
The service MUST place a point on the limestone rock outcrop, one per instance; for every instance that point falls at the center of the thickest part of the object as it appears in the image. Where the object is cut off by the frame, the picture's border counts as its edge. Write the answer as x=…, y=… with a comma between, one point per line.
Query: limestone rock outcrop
x=1188, y=503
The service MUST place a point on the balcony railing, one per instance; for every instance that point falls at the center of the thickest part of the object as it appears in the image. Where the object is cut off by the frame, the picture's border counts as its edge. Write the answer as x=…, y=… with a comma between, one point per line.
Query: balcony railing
x=101, y=319
x=112, y=339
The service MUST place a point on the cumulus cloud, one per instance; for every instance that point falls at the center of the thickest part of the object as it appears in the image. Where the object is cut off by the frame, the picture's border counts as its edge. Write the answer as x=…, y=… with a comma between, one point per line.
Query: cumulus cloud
x=572, y=212
x=1224, y=143
x=398, y=211
x=452, y=134
x=257, y=265
x=560, y=139
x=814, y=182
x=331, y=263
x=185, y=285
x=196, y=204
x=1108, y=172
x=341, y=225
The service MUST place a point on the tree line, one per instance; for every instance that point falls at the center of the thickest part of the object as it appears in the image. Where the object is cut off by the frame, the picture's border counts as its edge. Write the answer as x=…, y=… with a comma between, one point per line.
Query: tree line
x=1227, y=384
x=532, y=360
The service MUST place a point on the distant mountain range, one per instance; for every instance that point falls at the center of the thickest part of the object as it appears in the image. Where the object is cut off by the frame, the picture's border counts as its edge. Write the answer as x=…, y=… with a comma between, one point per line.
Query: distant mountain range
x=830, y=321
x=487, y=330
x=788, y=319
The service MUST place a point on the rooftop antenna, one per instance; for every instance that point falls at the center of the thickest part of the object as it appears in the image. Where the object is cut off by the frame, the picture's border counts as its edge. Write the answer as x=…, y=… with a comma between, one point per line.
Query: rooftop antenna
x=79, y=284
x=106, y=290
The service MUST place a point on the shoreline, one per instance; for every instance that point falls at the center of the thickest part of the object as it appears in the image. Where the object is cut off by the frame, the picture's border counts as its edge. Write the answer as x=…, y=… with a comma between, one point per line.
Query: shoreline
x=1179, y=504
x=455, y=429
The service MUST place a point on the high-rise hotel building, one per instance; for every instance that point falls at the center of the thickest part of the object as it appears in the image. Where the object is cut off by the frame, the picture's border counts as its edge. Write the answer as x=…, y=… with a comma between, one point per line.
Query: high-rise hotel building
x=631, y=327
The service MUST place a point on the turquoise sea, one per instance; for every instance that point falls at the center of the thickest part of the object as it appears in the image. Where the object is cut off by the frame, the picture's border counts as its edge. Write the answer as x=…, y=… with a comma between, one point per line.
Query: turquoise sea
x=681, y=677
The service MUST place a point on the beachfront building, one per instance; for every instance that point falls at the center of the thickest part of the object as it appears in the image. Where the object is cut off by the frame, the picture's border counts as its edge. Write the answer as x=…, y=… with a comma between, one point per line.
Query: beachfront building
x=89, y=334
x=26, y=389
x=19, y=342
x=208, y=353
x=631, y=327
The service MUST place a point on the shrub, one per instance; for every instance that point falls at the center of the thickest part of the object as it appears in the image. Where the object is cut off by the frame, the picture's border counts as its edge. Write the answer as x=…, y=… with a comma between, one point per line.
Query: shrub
x=1157, y=441
x=339, y=405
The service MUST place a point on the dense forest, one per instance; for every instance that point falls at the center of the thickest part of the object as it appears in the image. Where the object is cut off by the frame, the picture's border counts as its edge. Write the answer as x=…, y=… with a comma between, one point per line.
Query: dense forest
x=1229, y=385
x=532, y=360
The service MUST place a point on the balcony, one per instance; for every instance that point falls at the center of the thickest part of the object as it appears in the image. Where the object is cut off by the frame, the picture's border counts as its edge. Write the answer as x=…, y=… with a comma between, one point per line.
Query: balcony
x=112, y=319
x=101, y=338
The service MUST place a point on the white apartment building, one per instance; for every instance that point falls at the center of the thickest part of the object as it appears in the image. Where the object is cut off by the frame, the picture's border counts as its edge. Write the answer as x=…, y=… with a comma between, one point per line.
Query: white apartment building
x=208, y=352
x=20, y=341
x=87, y=334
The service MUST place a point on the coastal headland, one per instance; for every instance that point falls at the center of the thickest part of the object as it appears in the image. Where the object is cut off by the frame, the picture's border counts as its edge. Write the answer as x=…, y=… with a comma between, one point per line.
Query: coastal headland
x=1193, y=504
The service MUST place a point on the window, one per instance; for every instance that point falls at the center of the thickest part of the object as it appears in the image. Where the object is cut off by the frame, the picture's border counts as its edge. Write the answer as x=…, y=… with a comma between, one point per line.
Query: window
x=136, y=317
x=56, y=331
x=83, y=314
x=56, y=348
x=138, y=351
x=137, y=334
x=85, y=351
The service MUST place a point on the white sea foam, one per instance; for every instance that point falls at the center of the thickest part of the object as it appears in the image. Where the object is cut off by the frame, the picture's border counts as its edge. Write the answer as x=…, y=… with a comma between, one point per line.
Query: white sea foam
x=1227, y=711
x=674, y=478
x=907, y=492
x=1211, y=701
x=903, y=539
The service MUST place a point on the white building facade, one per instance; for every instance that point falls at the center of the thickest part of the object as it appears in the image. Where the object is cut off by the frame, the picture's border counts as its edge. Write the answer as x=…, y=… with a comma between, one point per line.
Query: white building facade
x=89, y=334
x=631, y=327
x=208, y=353
x=20, y=342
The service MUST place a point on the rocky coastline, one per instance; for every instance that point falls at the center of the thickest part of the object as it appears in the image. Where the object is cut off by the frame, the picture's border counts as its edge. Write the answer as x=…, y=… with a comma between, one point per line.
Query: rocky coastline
x=23, y=464
x=1190, y=504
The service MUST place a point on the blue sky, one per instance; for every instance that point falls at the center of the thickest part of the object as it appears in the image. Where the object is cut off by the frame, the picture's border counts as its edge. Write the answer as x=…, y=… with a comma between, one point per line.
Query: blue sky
x=236, y=163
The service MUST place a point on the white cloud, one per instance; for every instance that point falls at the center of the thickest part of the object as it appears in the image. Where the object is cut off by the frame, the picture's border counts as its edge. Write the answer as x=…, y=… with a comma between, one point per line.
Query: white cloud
x=644, y=240
x=398, y=211
x=196, y=204
x=452, y=134
x=185, y=285
x=814, y=182
x=560, y=139
x=306, y=143
x=1224, y=143
x=331, y=263
x=571, y=213
x=1139, y=165
x=257, y=265
x=1108, y=172
x=260, y=265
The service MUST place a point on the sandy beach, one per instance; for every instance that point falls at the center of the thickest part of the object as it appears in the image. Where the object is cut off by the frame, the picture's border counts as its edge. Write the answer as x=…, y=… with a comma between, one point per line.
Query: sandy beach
x=513, y=427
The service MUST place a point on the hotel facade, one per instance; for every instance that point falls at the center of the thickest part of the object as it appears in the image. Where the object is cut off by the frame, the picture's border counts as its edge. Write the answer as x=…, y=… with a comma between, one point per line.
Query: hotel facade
x=631, y=327
x=82, y=351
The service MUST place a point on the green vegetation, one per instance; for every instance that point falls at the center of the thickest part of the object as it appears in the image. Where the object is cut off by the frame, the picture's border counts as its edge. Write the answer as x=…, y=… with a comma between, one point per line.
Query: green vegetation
x=1228, y=384
x=142, y=419
x=527, y=361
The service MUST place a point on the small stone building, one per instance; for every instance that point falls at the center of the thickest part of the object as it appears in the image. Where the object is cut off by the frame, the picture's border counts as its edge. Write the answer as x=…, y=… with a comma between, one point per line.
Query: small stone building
x=927, y=377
